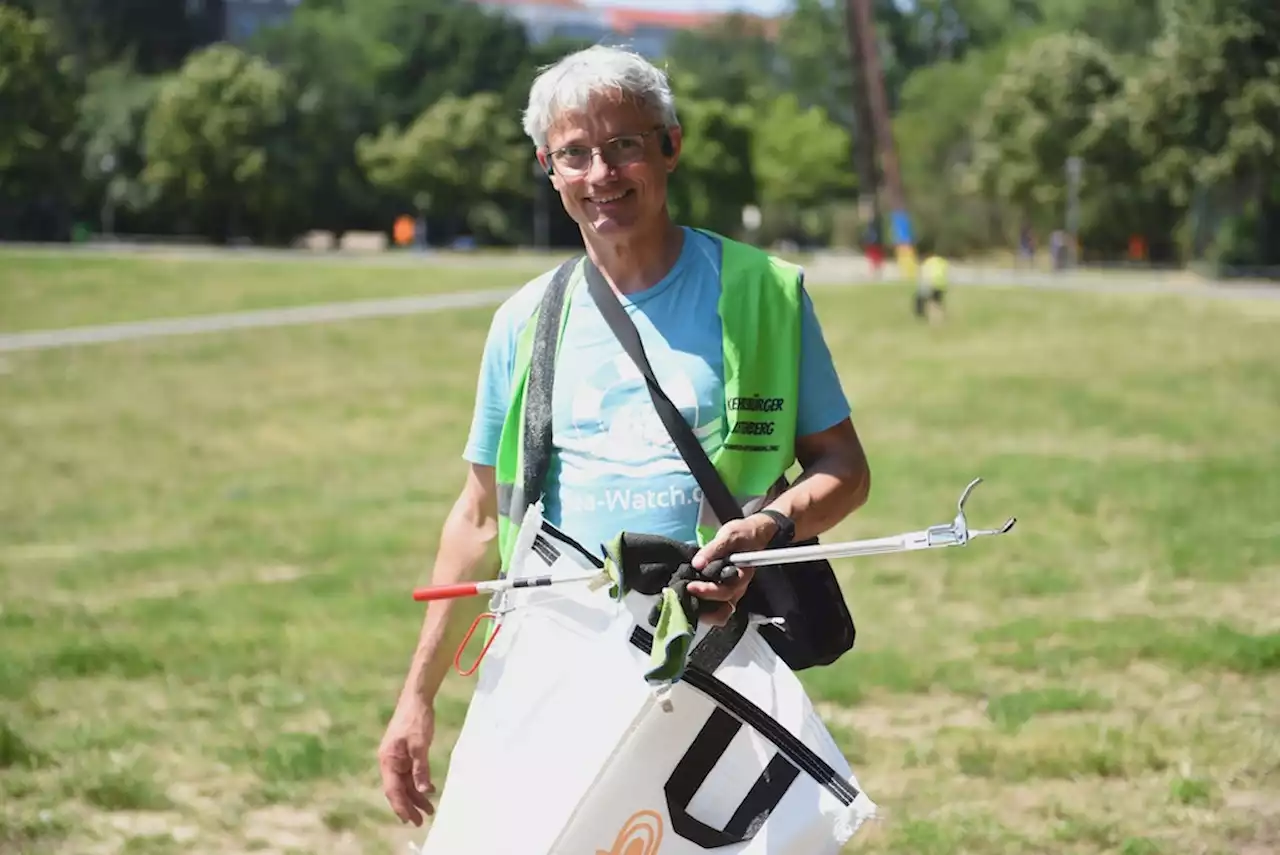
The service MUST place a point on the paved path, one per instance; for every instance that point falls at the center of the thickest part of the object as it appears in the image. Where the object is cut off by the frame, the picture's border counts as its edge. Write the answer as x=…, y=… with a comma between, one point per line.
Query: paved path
x=820, y=273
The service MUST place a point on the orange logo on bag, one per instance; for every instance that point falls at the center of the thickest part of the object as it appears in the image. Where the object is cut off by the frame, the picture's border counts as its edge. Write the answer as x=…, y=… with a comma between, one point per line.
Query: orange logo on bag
x=642, y=835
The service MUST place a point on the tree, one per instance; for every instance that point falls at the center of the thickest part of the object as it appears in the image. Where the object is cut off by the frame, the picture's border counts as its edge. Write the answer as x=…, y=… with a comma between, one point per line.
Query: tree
x=715, y=180
x=1125, y=30
x=814, y=49
x=733, y=61
x=458, y=161
x=932, y=133
x=1038, y=113
x=336, y=104
x=1205, y=116
x=800, y=159
x=37, y=113
x=111, y=120
x=217, y=140
x=443, y=47
x=153, y=37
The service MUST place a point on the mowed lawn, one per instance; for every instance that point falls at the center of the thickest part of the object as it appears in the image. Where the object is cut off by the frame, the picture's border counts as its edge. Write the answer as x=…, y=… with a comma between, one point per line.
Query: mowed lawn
x=49, y=290
x=207, y=546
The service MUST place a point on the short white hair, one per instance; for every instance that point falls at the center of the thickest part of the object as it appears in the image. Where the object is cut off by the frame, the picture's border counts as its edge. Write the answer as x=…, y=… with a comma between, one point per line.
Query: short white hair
x=569, y=85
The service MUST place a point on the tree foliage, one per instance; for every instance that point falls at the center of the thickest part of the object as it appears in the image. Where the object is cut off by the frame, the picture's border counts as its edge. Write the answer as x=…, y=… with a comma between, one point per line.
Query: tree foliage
x=216, y=139
x=457, y=160
x=356, y=111
x=37, y=107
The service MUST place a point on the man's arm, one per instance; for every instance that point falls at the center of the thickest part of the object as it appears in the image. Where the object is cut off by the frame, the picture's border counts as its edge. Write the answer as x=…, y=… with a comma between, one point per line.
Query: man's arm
x=835, y=482
x=467, y=552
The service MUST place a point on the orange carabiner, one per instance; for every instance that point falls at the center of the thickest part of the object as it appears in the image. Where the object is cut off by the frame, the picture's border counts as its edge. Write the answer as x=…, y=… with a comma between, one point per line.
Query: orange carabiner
x=457, y=657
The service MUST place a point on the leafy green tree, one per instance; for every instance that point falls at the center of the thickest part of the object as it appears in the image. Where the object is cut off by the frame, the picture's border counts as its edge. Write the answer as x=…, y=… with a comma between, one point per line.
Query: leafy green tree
x=1205, y=116
x=733, y=61
x=715, y=180
x=1125, y=29
x=443, y=47
x=1036, y=115
x=151, y=36
x=111, y=120
x=336, y=104
x=463, y=161
x=800, y=158
x=217, y=140
x=934, y=145
x=37, y=110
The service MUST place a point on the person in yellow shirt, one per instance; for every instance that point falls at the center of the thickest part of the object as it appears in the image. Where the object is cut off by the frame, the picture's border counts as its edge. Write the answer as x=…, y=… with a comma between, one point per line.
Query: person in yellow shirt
x=931, y=287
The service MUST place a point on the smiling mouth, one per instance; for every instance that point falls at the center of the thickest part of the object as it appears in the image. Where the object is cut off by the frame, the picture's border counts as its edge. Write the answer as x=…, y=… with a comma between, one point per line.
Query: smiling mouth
x=605, y=200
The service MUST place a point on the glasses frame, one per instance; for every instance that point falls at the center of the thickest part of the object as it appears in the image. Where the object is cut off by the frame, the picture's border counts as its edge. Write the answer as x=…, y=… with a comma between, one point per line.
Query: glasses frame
x=563, y=169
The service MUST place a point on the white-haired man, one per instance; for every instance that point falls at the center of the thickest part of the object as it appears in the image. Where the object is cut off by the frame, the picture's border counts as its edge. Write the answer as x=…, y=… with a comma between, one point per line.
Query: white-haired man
x=604, y=126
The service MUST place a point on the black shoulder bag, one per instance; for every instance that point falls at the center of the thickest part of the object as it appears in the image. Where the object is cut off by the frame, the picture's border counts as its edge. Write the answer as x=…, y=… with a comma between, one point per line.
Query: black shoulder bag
x=817, y=627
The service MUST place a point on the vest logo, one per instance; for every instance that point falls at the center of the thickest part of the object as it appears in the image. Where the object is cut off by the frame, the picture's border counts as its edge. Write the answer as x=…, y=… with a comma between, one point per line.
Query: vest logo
x=641, y=835
x=753, y=428
x=757, y=404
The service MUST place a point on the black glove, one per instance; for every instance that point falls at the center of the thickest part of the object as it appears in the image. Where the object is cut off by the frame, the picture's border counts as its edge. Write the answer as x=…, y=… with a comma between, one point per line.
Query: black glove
x=648, y=561
x=717, y=572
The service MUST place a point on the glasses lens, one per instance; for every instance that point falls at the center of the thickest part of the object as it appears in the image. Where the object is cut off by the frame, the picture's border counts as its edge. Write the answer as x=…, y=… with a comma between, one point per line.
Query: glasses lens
x=624, y=150
x=574, y=158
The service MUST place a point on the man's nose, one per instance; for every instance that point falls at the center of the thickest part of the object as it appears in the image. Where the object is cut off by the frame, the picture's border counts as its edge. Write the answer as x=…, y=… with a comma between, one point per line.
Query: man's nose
x=599, y=169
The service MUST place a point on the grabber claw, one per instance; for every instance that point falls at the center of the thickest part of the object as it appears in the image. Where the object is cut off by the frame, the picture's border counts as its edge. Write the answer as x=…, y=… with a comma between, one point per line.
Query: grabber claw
x=959, y=533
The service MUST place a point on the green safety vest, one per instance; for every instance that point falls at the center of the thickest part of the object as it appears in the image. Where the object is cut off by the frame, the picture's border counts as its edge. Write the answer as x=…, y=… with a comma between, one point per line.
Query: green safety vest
x=759, y=310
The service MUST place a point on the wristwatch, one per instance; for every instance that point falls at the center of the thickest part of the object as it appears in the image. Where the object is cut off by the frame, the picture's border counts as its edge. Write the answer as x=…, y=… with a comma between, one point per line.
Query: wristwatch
x=786, y=527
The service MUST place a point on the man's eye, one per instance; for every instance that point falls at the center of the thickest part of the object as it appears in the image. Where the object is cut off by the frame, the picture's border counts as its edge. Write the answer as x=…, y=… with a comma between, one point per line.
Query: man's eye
x=626, y=143
x=574, y=152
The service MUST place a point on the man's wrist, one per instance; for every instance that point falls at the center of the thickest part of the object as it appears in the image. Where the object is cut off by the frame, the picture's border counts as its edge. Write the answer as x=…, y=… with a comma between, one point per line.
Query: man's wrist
x=784, y=528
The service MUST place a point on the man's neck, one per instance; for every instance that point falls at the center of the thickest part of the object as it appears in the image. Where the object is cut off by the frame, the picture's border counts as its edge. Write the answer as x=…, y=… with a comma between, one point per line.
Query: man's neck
x=640, y=262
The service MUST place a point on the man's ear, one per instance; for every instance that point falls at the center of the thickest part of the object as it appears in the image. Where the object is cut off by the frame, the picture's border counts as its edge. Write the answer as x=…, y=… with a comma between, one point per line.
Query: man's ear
x=547, y=168
x=671, y=151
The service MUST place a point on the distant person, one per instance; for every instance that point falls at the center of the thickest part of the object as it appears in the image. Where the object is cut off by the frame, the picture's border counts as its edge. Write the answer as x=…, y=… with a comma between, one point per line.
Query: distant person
x=874, y=249
x=1027, y=246
x=732, y=337
x=931, y=288
x=1058, y=249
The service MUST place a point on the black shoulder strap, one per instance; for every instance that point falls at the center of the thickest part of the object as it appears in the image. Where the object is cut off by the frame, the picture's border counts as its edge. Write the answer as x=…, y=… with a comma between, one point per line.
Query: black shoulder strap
x=713, y=487
x=539, y=386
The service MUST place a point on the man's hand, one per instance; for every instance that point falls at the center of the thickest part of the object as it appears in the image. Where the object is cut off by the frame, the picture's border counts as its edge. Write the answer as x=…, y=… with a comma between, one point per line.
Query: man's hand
x=744, y=535
x=403, y=761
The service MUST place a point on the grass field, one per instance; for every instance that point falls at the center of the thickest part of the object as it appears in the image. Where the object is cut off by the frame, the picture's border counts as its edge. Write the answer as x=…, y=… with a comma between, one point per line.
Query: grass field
x=206, y=546
x=46, y=290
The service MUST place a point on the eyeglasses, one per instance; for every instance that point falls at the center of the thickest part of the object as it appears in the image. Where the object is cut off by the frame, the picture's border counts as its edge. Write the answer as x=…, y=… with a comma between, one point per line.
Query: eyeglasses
x=619, y=151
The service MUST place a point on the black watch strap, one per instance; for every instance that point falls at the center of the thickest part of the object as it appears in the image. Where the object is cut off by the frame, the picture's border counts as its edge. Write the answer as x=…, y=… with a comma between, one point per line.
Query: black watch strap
x=786, y=527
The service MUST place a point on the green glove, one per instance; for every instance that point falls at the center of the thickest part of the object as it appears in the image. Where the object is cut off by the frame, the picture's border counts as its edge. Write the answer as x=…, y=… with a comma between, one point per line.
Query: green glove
x=672, y=640
x=652, y=564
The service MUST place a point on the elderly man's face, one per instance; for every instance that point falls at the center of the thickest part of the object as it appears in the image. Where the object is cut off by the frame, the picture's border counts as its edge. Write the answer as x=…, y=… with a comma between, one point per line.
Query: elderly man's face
x=622, y=187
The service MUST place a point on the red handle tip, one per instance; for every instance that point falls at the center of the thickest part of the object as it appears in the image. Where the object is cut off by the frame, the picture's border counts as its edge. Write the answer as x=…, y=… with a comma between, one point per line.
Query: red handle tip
x=445, y=592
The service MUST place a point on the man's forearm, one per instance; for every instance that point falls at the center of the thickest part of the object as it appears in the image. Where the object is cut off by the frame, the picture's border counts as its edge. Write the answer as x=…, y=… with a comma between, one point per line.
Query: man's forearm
x=468, y=552
x=830, y=489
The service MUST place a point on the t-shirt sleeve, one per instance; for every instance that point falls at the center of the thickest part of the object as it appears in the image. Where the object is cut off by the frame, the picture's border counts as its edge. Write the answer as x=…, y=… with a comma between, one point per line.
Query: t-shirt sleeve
x=822, y=401
x=493, y=392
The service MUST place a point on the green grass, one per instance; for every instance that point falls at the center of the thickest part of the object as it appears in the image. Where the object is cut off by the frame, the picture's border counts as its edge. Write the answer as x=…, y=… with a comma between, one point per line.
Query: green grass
x=206, y=546
x=48, y=290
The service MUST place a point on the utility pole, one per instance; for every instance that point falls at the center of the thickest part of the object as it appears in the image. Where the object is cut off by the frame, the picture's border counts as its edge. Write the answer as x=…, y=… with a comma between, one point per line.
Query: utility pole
x=862, y=22
x=864, y=143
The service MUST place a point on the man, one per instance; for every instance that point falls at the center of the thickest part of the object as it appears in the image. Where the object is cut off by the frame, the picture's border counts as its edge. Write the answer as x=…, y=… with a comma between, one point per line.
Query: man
x=604, y=127
x=931, y=288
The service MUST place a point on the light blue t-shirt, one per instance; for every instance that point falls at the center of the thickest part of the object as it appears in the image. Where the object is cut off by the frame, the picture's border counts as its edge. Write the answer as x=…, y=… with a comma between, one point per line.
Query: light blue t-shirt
x=613, y=465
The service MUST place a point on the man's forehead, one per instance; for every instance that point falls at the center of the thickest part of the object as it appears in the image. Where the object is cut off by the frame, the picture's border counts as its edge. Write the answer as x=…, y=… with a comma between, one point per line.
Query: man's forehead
x=603, y=118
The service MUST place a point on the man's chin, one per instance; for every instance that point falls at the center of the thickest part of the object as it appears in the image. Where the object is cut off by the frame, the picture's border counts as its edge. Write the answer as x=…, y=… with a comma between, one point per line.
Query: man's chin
x=613, y=225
